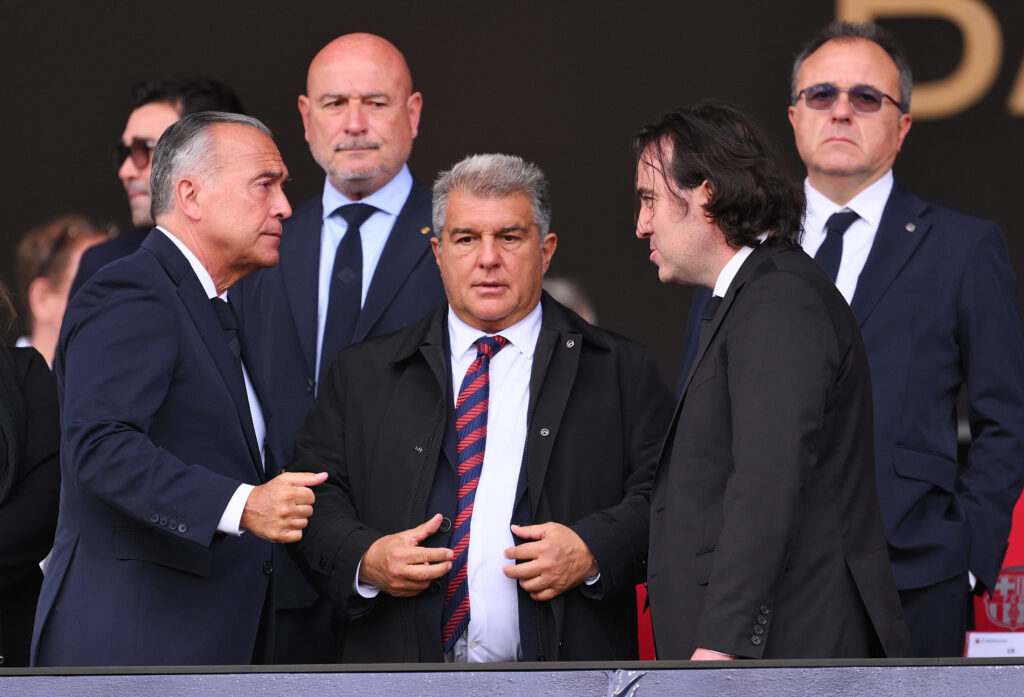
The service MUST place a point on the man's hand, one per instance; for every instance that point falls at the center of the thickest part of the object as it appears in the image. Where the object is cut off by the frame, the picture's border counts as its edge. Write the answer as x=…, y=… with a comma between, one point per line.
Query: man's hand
x=559, y=560
x=397, y=565
x=278, y=510
x=709, y=655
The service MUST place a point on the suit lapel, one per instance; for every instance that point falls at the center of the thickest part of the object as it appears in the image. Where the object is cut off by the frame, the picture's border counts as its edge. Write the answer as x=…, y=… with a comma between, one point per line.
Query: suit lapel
x=900, y=232
x=198, y=306
x=406, y=245
x=300, y=257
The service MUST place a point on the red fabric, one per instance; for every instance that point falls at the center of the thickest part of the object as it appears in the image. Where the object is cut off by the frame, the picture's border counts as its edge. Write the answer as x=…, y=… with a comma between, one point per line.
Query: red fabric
x=644, y=625
x=1014, y=558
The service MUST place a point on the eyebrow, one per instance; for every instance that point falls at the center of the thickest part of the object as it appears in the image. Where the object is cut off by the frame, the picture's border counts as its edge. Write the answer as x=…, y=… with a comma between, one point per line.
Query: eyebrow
x=357, y=95
x=474, y=231
x=270, y=174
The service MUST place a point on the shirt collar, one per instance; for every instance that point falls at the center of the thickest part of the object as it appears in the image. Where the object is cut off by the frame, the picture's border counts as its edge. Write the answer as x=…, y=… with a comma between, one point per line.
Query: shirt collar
x=730, y=270
x=197, y=266
x=523, y=334
x=868, y=204
x=390, y=198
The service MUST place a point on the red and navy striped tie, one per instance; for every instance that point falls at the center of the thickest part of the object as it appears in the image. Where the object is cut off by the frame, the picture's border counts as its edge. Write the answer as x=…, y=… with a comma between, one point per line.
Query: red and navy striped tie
x=471, y=431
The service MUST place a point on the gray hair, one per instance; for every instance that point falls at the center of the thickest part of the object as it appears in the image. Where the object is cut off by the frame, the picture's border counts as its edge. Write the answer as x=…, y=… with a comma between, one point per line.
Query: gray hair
x=494, y=176
x=848, y=31
x=186, y=147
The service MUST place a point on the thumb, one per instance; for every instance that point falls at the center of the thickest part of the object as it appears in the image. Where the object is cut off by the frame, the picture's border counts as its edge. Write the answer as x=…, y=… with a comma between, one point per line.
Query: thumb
x=425, y=530
x=303, y=478
x=529, y=532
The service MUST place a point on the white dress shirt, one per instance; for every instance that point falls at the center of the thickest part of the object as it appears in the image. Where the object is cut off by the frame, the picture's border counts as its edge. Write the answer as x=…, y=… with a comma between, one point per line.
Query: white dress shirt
x=230, y=521
x=858, y=238
x=374, y=233
x=493, y=632
x=730, y=270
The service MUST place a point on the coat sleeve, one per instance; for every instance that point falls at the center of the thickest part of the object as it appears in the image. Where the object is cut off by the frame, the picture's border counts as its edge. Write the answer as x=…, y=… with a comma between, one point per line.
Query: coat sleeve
x=618, y=535
x=115, y=366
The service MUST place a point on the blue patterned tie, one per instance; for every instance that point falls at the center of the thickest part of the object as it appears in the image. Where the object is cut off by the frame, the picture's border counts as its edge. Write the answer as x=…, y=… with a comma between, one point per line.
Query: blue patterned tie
x=471, y=431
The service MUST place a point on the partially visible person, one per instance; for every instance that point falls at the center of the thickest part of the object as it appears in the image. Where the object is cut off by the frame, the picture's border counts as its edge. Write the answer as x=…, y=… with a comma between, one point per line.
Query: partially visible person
x=572, y=295
x=29, y=488
x=766, y=536
x=45, y=263
x=169, y=504
x=157, y=105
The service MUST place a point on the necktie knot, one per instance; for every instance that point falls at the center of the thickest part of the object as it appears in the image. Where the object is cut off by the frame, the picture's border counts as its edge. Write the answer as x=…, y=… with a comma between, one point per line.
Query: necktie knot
x=838, y=223
x=712, y=308
x=225, y=315
x=490, y=345
x=355, y=214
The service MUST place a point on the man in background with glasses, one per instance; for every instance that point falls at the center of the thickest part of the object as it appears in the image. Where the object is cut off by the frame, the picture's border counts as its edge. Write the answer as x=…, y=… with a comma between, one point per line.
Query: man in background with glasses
x=157, y=106
x=934, y=294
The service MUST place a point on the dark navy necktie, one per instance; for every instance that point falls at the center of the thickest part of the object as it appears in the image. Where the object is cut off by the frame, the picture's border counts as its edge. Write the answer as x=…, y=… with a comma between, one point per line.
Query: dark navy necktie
x=346, y=290
x=229, y=324
x=707, y=319
x=830, y=253
x=471, y=432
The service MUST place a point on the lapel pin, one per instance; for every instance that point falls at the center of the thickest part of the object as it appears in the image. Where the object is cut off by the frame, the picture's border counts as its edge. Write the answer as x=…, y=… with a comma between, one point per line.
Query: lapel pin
x=911, y=227
x=424, y=231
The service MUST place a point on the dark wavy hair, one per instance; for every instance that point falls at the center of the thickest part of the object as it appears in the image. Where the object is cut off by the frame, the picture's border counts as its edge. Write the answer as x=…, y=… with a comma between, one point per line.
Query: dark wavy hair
x=713, y=141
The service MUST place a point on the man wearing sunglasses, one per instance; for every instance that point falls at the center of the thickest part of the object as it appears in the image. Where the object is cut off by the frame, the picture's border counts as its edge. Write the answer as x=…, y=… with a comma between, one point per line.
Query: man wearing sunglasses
x=157, y=106
x=934, y=294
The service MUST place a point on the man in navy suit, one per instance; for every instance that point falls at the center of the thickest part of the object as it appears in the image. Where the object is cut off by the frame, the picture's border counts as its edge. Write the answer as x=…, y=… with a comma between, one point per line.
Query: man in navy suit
x=935, y=297
x=168, y=509
x=333, y=288
x=157, y=106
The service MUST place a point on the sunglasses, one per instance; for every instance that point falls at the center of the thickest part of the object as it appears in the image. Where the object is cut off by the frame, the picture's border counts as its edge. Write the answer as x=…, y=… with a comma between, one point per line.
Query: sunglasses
x=863, y=100
x=140, y=150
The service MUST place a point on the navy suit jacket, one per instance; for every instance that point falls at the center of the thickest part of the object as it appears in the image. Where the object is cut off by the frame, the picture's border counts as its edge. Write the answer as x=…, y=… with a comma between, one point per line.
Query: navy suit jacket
x=937, y=307
x=277, y=308
x=156, y=440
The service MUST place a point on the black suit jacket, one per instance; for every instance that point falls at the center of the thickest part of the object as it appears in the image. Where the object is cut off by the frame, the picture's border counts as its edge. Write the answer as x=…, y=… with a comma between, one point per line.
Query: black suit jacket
x=29, y=490
x=597, y=412
x=99, y=255
x=937, y=307
x=156, y=439
x=766, y=537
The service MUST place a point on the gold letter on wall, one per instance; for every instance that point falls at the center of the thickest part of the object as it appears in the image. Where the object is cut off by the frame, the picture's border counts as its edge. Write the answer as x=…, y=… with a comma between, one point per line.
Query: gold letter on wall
x=979, y=66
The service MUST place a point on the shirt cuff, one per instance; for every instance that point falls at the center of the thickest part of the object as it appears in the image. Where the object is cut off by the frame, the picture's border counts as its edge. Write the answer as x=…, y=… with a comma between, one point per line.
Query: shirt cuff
x=591, y=580
x=365, y=590
x=231, y=521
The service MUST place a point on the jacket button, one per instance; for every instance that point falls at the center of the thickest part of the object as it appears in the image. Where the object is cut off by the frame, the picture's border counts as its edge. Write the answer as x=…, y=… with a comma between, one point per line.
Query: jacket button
x=182, y=528
x=155, y=518
x=545, y=432
x=761, y=619
x=765, y=610
x=758, y=629
x=418, y=448
x=163, y=521
x=755, y=640
x=310, y=385
x=570, y=343
x=322, y=562
x=445, y=526
x=435, y=586
x=172, y=524
x=268, y=567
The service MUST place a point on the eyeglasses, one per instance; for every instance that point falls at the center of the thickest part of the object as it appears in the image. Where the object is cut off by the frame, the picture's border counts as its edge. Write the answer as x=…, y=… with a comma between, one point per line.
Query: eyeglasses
x=140, y=150
x=863, y=100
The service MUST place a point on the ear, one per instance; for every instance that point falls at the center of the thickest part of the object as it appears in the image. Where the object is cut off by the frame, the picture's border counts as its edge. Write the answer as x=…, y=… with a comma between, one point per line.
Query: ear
x=792, y=117
x=547, y=249
x=40, y=295
x=304, y=107
x=186, y=195
x=414, y=105
x=435, y=244
x=905, y=123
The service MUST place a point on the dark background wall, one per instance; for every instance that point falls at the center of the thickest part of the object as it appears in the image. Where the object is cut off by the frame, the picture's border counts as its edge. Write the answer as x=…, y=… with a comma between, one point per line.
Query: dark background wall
x=564, y=84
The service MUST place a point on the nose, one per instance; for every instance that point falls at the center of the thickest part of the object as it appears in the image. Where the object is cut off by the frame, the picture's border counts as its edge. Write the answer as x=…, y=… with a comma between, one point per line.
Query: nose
x=489, y=253
x=355, y=118
x=643, y=225
x=842, y=110
x=281, y=209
